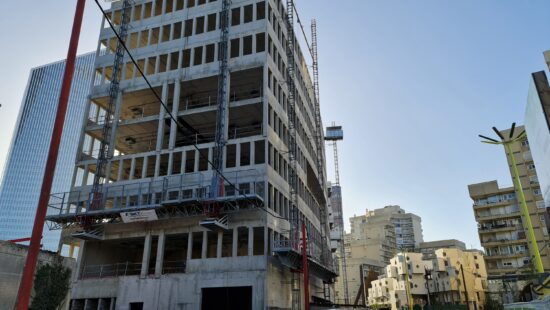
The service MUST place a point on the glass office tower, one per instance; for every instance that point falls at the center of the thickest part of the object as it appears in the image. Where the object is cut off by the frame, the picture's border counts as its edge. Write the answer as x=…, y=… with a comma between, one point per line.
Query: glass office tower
x=26, y=160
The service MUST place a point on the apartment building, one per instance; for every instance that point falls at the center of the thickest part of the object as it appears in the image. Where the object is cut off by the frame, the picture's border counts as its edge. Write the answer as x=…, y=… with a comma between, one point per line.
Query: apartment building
x=26, y=160
x=373, y=241
x=381, y=232
x=501, y=230
x=453, y=276
x=204, y=202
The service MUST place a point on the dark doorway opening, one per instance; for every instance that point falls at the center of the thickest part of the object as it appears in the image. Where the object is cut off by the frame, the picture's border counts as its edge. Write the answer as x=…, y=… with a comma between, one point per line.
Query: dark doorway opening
x=136, y=306
x=227, y=298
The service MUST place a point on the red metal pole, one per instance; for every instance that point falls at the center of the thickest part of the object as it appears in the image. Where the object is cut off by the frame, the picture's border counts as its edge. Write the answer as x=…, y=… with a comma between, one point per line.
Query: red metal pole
x=305, y=268
x=25, y=287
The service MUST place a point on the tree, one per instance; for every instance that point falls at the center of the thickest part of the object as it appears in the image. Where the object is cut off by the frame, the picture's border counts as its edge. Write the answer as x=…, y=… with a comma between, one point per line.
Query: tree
x=492, y=304
x=51, y=284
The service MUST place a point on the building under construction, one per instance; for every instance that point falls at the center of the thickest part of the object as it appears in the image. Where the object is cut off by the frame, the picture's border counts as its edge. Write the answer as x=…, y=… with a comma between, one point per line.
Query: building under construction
x=200, y=180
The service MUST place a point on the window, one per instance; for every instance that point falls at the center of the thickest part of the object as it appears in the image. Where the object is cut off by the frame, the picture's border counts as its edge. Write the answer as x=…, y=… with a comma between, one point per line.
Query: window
x=260, y=42
x=260, y=10
x=200, y=25
x=235, y=16
x=247, y=45
x=211, y=22
x=197, y=59
x=248, y=13
x=166, y=33
x=177, y=31
x=235, y=48
x=174, y=57
x=525, y=142
x=188, y=28
x=190, y=3
x=531, y=167
x=537, y=191
x=533, y=179
x=186, y=62
x=210, y=51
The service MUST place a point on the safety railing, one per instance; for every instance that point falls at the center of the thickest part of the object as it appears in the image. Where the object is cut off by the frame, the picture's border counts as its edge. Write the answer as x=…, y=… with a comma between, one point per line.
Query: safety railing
x=129, y=269
x=152, y=193
x=111, y=270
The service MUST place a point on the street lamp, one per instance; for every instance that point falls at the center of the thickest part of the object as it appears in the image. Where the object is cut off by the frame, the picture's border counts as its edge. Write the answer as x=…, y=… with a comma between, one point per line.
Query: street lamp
x=507, y=142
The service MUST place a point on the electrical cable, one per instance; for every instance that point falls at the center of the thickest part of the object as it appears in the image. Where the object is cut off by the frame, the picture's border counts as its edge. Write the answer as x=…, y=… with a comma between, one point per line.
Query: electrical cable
x=178, y=124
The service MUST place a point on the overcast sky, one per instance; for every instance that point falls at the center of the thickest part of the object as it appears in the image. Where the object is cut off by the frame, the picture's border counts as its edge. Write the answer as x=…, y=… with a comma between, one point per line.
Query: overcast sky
x=411, y=82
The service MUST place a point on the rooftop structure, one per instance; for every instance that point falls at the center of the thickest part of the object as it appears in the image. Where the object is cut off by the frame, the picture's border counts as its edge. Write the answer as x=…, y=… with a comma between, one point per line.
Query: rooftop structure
x=428, y=248
x=26, y=161
x=203, y=192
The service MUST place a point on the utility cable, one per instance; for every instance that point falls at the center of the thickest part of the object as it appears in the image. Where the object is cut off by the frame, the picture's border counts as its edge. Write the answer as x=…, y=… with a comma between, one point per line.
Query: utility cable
x=174, y=119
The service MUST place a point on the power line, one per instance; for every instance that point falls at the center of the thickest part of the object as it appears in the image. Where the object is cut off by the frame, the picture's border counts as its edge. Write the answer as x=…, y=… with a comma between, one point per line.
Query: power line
x=175, y=120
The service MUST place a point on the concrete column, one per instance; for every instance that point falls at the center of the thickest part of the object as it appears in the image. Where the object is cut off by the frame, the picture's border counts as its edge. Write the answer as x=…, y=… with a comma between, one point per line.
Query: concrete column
x=220, y=244
x=175, y=108
x=189, y=246
x=157, y=59
x=119, y=173
x=268, y=236
x=160, y=129
x=79, y=261
x=132, y=13
x=108, y=173
x=146, y=256
x=132, y=169
x=238, y=155
x=204, y=244
x=160, y=254
x=144, y=168
x=85, y=175
x=180, y=55
x=197, y=157
x=235, y=242
x=163, y=7
x=252, y=153
x=170, y=164
x=250, y=241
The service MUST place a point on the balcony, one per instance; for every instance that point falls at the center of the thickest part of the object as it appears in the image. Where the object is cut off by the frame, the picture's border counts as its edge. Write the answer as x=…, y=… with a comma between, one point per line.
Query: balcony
x=508, y=255
x=497, y=242
x=496, y=228
x=492, y=217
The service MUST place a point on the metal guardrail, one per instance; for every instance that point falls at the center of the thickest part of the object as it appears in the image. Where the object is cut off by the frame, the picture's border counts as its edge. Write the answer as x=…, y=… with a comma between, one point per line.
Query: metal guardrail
x=170, y=189
x=111, y=270
x=128, y=269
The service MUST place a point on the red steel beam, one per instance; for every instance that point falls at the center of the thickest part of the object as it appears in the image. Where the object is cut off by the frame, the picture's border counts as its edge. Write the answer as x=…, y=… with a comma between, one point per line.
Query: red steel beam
x=305, y=268
x=20, y=240
x=25, y=287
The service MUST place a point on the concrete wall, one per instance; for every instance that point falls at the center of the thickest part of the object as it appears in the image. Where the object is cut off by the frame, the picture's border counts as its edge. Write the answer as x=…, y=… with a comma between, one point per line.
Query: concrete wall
x=12, y=261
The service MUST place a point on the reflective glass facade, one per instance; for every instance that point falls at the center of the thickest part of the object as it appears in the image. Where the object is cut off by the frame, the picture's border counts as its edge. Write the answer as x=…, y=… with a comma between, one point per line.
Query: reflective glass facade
x=537, y=116
x=25, y=164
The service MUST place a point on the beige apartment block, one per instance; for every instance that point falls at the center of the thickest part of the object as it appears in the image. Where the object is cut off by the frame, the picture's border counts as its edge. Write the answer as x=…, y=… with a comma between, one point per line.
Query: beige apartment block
x=455, y=276
x=373, y=240
x=500, y=226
